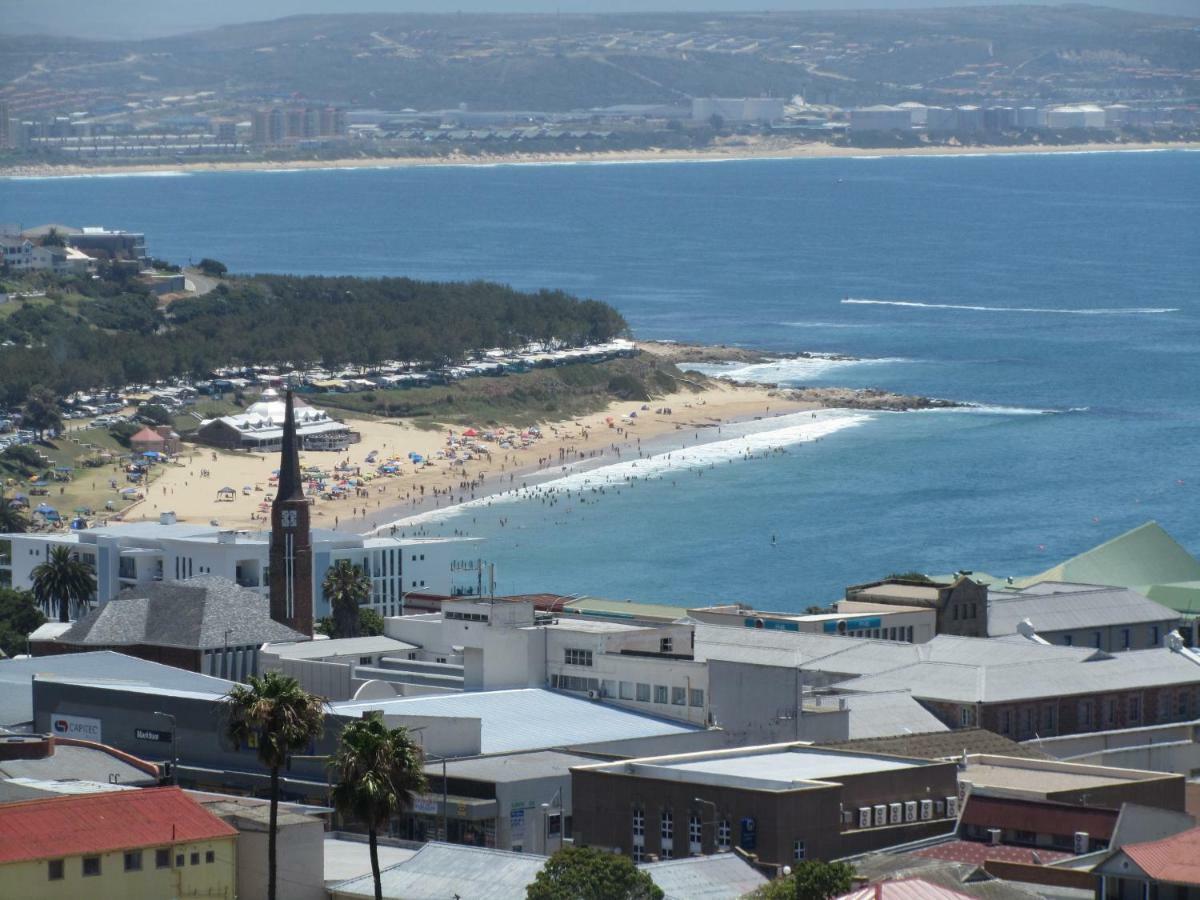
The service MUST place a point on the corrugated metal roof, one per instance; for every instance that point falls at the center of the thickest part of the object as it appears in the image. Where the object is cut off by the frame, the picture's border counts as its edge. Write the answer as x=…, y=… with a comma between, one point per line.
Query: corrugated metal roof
x=906, y=889
x=1071, y=607
x=103, y=823
x=885, y=714
x=723, y=876
x=1175, y=859
x=1145, y=555
x=98, y=667
x=319, y=649
x=438, y=871
x=528, y=718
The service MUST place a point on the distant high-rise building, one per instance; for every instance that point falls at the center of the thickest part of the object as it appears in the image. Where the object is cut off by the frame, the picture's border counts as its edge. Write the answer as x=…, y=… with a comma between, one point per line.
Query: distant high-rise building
x=339, y=122
x=6, y=130
x=294, y=123
x=260, y=127
x=326, y=121
x=312, y=122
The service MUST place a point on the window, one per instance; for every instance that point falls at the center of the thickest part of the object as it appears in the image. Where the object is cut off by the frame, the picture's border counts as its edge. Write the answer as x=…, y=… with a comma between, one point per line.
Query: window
x=1135, y=709
x=162, y=858
x=54, y=870
x=643, y=693
x=697, y=697
x=955, y=614
x=1006, y=722
x=1085, y=713
x=695, y=835
x=573, y=657
x=133, y=861
x=365, y=660
x=667, y=833
x=1049, y=717
x=210, y=856
x=639, y=853
x=1126, y=643
x=1028, y=729
x=91, y=866
x=664, y=645
x=966, y=715
x=660, y=693
x=179, y=860
x=797, y=850
x=678, y=696
x=1154, y=636
x=1110, y=712
x=1183, y=703
x=626, y=690
x=1068, y=640
x=195, y=859
x=1096, y=639
x=639, y=823
x=724, y=834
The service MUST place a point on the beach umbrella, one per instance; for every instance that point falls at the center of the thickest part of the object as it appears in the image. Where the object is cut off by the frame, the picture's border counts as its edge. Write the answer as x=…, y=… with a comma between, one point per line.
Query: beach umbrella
x=79, y=524
x=45, y=509
x=129, y=490
x=470, y=432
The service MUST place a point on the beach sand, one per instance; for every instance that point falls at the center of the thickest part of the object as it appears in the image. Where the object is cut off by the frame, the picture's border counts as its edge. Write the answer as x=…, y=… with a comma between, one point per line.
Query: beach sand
x=183, y=490
x=750, y=149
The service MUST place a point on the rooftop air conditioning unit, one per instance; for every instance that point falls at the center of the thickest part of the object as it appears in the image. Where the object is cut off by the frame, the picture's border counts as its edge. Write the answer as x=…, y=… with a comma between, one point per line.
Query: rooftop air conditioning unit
x=1081, y=842
x=910, y=811
x=881, y=812
x=895, y=813
x=593, y=695
x=994, y=836
x=926, y=809
x=864, y=817
x=951, y=807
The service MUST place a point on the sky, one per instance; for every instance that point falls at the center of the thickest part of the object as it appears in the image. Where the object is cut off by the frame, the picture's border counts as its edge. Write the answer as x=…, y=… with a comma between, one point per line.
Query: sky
x=130, y=19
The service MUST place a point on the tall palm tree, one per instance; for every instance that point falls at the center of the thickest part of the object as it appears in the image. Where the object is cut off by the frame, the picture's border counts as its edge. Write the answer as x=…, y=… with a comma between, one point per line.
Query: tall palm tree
x=347, y=587
x=63, y=582
x=378, y=770
x=274, y=714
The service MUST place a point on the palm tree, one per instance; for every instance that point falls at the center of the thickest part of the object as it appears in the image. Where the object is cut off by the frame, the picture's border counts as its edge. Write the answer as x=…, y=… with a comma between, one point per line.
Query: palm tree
x=63, y=582
x=348, y=587
x=12, y=519
x=277, y=716
x=378, y=770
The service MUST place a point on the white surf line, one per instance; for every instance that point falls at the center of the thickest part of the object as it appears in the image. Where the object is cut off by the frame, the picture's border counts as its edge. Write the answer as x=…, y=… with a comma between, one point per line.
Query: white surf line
x=750, y=439
x=1094, y=311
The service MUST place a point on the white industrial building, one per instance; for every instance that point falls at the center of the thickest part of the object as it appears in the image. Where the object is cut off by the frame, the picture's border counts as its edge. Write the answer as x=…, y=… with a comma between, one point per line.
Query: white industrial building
x=1083, y=116
x=881, y=118
x=738, y=109
x=126, y=555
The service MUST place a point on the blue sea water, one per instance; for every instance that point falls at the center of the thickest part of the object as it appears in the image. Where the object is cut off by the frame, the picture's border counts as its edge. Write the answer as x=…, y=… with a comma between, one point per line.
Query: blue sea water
x=1065, y=283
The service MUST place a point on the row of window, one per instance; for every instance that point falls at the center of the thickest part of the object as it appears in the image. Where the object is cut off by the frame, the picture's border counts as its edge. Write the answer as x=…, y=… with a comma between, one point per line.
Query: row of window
x=628, y=690
x=464, y=616
x=968, y=610
x=1155, y=634
x=695, y=835
x=91, y=865
x=1092, y=713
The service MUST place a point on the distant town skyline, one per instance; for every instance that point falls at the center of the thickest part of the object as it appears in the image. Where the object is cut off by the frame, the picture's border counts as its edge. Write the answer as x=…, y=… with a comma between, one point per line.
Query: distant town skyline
x=134, y=19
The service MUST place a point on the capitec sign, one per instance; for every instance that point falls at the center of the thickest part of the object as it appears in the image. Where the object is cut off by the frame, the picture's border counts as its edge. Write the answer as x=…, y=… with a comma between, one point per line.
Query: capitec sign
x=80, y=727
x=853, y=625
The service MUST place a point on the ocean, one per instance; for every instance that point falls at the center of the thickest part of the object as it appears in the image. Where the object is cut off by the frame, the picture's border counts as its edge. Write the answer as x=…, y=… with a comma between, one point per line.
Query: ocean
x=1058, y=292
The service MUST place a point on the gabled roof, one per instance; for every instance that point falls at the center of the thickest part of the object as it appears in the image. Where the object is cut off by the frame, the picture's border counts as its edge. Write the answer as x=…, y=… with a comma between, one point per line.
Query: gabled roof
x=1144, y=556
x=941, y=745
x=202, y=613
x=1174, y=859
x=104, y=823
x=1067, y=607
x=147, y=435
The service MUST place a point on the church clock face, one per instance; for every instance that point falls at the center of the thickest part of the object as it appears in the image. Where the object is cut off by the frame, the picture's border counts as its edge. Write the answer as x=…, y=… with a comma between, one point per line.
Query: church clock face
x=287, y=518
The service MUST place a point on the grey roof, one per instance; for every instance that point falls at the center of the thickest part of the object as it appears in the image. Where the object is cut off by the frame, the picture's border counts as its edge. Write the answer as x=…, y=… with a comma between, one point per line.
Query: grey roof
x=528, y=718
x=941, y=745
x=98, y=667
x=1067, y=607
x=78, y=764
x=886, y=714
x=203, y=613
x=510, y=767
x=346, y=859
x=340, y=647
x=1137, y=824
x=724, y=876
x=1037, y=671
x=438, y=871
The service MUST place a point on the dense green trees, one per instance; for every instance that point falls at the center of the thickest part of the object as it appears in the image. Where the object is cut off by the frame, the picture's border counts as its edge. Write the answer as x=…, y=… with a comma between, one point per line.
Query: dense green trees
x=19, y=616
x=40, y=412
x=811, y=879
x=119, y=336
x=584, y=873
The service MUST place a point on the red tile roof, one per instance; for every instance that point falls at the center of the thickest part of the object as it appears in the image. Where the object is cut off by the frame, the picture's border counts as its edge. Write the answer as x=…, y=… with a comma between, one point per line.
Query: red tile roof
x=975, y=853
x=147, y=435
x=1175, y=859
x=1040, y=817
x=103, y=823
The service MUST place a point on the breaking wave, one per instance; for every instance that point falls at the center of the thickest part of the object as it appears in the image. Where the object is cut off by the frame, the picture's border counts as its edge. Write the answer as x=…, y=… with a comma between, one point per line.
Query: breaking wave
x=1095, y=311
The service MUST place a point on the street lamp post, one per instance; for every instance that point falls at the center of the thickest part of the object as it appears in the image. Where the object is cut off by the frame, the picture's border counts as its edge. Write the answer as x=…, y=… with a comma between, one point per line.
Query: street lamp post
x=174, y=746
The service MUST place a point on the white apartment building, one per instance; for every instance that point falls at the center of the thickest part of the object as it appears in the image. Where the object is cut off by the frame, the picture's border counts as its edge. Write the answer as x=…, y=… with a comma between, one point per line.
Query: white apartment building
x=125, y=555
x=504, y=644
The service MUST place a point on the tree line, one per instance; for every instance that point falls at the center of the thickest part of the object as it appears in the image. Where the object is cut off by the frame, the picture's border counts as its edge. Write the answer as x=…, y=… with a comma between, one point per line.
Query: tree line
x=118, y=336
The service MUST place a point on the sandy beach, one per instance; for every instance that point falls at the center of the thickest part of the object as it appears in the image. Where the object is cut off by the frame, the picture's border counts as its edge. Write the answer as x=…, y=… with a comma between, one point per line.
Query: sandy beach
x=182, y=488
x=762, y=149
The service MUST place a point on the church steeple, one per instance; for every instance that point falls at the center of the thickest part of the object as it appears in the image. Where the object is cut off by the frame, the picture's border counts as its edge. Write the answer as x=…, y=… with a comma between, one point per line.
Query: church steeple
x=291, y=567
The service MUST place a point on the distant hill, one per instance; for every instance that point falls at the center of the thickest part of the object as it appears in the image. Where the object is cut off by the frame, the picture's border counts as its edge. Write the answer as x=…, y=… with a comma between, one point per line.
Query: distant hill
x=546, y=62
